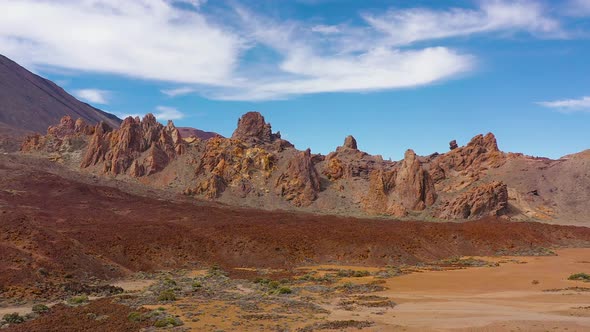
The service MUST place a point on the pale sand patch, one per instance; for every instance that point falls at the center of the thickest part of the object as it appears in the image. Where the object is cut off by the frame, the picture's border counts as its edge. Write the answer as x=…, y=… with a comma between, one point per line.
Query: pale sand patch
x=488, y=298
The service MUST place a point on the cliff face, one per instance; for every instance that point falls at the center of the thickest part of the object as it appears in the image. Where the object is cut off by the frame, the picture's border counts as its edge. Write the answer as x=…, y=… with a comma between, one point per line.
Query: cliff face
x=256, y=167
x=138, y=147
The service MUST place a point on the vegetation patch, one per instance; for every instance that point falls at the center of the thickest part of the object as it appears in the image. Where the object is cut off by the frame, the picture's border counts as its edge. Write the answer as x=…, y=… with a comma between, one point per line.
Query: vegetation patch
x=580, y=276
x=80, y=299
x=337, y=325
x=40, y=308
x=168, y=322
x=167, y=295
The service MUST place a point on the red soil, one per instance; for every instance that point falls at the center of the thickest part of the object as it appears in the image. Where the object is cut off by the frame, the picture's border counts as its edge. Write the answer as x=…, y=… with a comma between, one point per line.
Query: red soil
x=53, y=230
x=85, y=318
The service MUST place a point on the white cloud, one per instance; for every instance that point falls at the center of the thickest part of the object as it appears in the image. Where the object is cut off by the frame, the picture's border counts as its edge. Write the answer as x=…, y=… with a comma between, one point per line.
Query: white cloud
x=376, y=69
x=93, y=95
x=165, y=113
x=407, y=26
x=150, y=39
x=208, y=54
x=569, y=105
x=577, y=8
x=179, y=91
x=326, y=29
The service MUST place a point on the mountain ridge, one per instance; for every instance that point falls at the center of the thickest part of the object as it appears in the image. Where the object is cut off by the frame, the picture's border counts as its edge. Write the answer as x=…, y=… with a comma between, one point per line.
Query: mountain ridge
x=257, y=168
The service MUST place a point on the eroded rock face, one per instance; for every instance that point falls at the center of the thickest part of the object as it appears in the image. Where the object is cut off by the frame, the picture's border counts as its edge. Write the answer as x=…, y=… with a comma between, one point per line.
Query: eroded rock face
x=348, y=162
x=66, y=136
x=228, y=162
x=489, y=199
x=407, y=187
x=300, y=183
x=479, y=154
x=350, y=143
x=413, y=184
x=138, y=147
x=253, y=129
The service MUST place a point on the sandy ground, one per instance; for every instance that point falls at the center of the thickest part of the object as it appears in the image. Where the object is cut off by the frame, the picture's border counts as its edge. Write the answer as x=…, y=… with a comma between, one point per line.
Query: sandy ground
x=500, y=298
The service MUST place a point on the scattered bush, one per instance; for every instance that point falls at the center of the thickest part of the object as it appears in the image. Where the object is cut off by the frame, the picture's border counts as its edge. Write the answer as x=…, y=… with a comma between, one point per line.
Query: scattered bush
x=40, y=308
x=535, y=282
x=196, y=285
x=135, y=316
x=13, y=318
x=353, y=274
x=78, y=299
x=169, y=283
x=216, y=271
x=168, y=321
x=284, y=290
x=167, y=295
x=580, y=276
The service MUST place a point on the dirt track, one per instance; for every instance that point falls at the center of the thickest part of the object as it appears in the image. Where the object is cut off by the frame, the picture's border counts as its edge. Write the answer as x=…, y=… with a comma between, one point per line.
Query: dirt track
x=53, y=230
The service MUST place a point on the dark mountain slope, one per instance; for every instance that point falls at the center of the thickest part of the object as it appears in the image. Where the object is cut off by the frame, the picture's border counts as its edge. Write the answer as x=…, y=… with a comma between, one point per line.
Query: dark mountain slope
x=30, y=102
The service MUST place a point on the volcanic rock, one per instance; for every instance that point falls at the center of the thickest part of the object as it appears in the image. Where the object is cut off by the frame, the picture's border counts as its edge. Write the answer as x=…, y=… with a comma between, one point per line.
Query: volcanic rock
x=300, y=183
x=67, y=135
x=453, y=145
x=478, y=155
x=488, y=199
x=253, y=129
x=145, y=144
x=413, y=184
x=350, y=142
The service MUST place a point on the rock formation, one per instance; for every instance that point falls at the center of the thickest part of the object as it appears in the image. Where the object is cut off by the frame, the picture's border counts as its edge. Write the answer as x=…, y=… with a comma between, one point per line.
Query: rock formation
x=488, y=199
x=479, y=154
x=67, y=135
x=453, y=145
x=300, y=183
x=413, y=184
x=407, y=187
x=348, y=162
x=231, y=163
x=138, y=147
x=256, y=167
x=350, y=143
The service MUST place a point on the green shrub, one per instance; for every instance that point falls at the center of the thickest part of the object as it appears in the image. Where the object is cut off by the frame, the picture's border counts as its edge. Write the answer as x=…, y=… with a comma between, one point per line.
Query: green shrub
x=216, y=271
x=284, y=290
x=167, y=295
x=78, y=299
x=168, y=321
x=169, y=283
x=13, y=318
x=135, y=316
x=580, y=276
x=40, y=308
x=196, y=285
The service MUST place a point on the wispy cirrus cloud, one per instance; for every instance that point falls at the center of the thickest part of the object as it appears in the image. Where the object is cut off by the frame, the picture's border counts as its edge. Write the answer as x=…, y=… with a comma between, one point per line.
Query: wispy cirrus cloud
x=569, y=105
x=185, y=90
x=95, y=96
x=164, y=113
x=407, y=26
x=212, y=54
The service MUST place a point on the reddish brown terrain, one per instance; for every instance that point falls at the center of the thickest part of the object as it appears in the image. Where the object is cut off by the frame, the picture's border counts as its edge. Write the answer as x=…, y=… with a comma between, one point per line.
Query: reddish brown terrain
x=55, y=228
x=249, y=232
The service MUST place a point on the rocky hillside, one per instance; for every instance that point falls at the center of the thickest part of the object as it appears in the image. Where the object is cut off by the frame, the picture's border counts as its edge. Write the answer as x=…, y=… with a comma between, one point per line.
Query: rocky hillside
x=256, y=167
x=32, y=103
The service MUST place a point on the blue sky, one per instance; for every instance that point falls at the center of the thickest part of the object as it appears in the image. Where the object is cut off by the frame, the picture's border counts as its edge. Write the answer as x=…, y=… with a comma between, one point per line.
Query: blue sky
x=395, y=74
